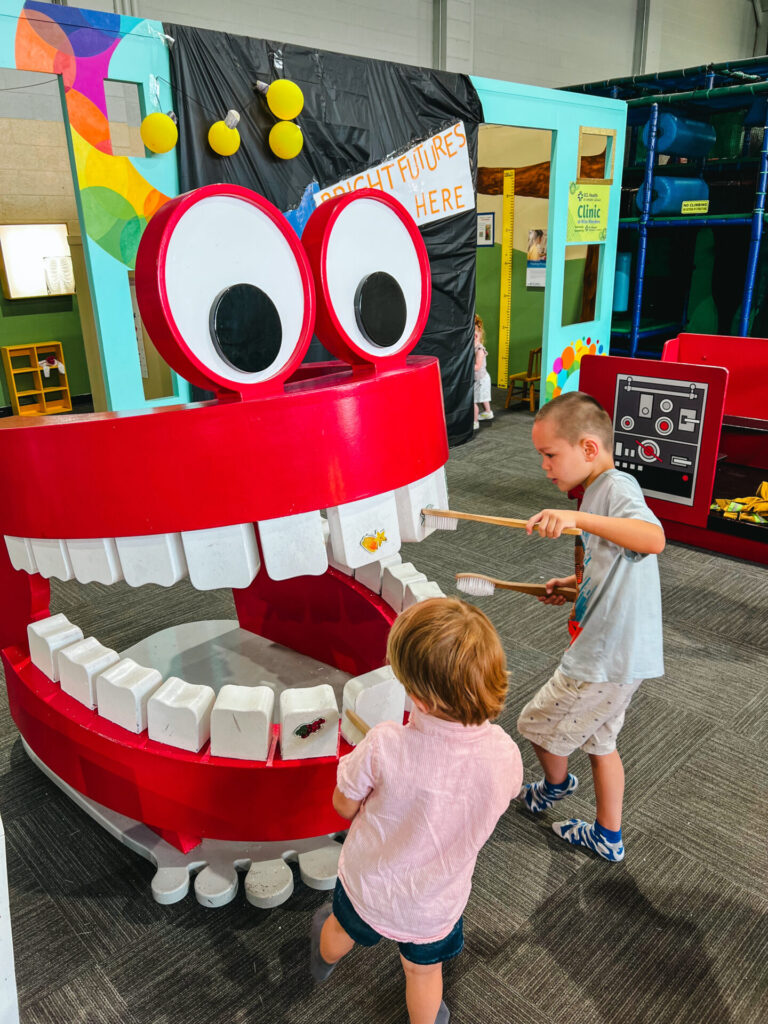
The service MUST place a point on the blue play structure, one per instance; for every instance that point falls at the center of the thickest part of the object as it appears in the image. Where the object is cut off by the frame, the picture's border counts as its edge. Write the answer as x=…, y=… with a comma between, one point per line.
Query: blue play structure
x=670, y=114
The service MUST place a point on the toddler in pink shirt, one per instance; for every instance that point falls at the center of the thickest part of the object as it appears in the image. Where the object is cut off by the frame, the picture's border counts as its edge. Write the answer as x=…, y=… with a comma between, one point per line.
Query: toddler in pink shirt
x=423, y=798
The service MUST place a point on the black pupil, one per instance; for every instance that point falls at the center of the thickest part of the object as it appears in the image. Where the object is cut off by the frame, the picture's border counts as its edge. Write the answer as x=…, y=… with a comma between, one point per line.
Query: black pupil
x=245, y=327
x=380, y=309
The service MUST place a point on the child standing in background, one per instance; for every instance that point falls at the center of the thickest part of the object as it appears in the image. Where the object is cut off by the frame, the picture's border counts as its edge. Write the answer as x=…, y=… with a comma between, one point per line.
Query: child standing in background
x=615, y=625
x=482, y=377
x=423, y=798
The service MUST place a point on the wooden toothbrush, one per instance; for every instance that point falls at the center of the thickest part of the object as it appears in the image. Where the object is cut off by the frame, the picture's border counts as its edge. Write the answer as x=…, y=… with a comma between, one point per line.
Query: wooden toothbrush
x=445, y=519
x=478, y=585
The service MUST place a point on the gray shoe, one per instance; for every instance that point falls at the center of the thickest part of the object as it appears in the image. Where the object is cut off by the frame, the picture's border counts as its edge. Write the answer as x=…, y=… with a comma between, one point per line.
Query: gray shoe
x=319, y=969
x=443, y=1014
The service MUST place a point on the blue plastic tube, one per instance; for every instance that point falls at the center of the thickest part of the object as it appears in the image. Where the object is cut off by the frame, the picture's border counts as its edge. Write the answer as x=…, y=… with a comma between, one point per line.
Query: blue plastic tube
x=681, y=136
x=668, y=194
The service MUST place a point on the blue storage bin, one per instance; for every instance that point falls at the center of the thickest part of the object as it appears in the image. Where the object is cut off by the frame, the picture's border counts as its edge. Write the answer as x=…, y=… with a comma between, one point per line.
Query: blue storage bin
x=621, y=282
x=680, y=136
x=668, y=194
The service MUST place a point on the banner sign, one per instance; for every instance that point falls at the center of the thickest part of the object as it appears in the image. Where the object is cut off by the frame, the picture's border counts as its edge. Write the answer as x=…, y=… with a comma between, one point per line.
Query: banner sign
x=433, y=180
x=587, y=213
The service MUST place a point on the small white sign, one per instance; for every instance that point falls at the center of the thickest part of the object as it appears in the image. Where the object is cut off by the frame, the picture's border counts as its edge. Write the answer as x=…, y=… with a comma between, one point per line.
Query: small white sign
x=433, y=180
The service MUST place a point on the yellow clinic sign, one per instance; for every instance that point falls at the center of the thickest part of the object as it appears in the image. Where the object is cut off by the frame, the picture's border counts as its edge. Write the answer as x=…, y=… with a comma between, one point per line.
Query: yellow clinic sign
x=587, y=213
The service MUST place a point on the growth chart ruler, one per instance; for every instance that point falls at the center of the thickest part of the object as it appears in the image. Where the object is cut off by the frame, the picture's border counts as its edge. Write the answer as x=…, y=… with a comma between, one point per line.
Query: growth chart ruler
x=505, y=289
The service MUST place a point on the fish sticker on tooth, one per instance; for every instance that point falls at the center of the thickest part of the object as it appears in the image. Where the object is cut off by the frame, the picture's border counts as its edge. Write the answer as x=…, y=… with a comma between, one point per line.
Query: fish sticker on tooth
x=373, y=541
x=302, y=731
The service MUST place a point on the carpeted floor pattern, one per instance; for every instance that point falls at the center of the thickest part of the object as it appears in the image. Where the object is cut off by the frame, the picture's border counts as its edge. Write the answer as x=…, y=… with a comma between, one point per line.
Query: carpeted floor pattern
x=677, y=934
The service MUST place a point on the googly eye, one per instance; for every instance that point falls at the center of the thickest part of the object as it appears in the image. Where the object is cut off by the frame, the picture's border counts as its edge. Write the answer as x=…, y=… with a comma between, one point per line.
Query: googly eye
x=372, y=277
x=225, y=289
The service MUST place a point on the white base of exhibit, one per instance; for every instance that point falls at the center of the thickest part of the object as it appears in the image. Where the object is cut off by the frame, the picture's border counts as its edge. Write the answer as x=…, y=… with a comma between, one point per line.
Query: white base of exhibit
x=213, y=864
x=9, y=1006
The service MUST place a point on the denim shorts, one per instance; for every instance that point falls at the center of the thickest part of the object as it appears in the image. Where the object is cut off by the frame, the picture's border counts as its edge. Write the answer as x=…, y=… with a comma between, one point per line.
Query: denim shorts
x=415, y=952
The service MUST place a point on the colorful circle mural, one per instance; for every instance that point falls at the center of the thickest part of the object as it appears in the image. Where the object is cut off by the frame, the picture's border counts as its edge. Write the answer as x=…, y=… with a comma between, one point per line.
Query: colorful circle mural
x=564, y=374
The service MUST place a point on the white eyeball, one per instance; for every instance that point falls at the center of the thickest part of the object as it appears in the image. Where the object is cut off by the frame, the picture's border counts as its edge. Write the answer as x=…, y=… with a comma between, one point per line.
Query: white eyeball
x=372, y=276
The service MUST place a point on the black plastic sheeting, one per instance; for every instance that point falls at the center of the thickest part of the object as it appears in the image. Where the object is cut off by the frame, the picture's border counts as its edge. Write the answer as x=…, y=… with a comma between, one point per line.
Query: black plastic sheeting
x=357, y=113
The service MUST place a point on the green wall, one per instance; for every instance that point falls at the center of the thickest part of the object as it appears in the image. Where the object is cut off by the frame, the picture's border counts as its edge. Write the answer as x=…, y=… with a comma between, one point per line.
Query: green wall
x=55, y=318
x=527, y=306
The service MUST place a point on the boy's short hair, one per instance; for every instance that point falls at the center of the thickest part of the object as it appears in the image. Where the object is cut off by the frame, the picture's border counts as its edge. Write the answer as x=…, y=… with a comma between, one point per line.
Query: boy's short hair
x=576, y=415
x=447, y=654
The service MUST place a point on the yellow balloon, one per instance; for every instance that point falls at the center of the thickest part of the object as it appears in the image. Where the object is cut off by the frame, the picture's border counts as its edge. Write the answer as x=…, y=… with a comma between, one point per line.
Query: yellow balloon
x=286, y=140
x=158, y=133
x=222, y=140
x=285, y=99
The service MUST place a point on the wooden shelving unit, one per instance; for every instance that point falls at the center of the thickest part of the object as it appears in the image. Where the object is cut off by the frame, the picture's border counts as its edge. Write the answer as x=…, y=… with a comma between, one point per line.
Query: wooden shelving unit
x=30, y=391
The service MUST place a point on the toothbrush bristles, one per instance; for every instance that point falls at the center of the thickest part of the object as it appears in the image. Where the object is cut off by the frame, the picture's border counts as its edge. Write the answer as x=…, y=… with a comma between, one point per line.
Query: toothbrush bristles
x=475, y=585
x=435, y=522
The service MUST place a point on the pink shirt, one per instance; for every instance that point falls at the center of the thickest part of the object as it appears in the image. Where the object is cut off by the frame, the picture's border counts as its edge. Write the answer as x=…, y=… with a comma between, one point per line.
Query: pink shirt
x=433, y=792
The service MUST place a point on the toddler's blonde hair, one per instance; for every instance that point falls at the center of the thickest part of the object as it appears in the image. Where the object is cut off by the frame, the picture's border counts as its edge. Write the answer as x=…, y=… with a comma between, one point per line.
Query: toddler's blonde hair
x=447, y=654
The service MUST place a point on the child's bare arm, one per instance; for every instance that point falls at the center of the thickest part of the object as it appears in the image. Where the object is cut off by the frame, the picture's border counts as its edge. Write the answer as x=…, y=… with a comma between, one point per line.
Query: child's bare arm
x=632, y=534
x=344, y=806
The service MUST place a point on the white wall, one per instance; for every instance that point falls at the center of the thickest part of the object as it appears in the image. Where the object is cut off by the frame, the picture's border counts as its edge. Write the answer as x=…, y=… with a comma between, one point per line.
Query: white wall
x=538, y=42
x=699, y=31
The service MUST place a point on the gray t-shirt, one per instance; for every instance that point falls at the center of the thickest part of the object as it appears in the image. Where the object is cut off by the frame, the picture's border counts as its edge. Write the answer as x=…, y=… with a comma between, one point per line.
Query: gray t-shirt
x=616, y=620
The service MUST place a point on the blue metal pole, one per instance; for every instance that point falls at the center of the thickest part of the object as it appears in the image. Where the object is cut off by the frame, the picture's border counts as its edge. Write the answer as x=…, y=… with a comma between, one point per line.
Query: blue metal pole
x=689, y=222
x=642, y=242
x=756, y=235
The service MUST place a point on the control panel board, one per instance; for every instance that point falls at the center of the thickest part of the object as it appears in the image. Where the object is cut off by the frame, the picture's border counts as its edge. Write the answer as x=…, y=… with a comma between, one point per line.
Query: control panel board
x=657, y=426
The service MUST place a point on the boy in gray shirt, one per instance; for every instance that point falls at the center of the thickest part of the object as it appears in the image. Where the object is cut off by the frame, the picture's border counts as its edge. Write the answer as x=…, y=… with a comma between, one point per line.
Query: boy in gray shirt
x=615, y=624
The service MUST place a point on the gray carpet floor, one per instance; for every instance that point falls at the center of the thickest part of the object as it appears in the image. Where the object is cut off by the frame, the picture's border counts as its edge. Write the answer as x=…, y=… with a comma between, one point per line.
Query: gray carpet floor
x=676, y=934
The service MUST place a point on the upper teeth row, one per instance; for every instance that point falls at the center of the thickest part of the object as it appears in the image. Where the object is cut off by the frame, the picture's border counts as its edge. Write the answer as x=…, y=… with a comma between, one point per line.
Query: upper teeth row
x=237, y=721
x=352, y=537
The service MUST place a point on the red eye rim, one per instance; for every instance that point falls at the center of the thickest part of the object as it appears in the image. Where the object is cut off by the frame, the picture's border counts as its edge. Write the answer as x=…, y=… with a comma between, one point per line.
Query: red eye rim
x=316, y=238
x=154, y=305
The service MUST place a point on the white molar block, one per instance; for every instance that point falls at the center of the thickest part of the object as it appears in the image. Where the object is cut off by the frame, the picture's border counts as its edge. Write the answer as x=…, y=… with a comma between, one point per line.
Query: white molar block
x=20, y=554
x=375, y=697
x=241, y=722
x=309, y=722
x=420, y=591
x=227, y=556
x=95, y=561
x=364, y=531
x=123, y=692
x=179, y=714
x=370, y=575
x=429, y=492
x=155, y=558
x=47, y=637
x=52, y=559
x=394, y=581
x=293, y=546
x=80, y=664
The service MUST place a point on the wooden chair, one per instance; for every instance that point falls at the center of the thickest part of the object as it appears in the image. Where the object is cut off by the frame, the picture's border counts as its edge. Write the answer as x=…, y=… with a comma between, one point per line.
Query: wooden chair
x=527, y=380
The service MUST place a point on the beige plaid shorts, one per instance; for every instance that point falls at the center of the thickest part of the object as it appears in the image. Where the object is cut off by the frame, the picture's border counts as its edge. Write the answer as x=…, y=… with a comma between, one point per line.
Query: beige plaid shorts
x=566, y=714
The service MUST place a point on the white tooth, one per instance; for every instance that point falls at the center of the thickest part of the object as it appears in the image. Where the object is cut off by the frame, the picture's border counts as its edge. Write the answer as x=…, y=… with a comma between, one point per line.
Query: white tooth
x=370, y=520
x=334, y=562
x=80, y=664
x=241, y=722
x=429, y=492
x=395, y=580
x=154, y=558
x=123, y=692
x=47, y=637
x=20, y=553
x=179, y=714
x=227, y=556
x=303, y=708
x=370, y=575
x=375, y=697
x=52, y=558
x=293, y=546
x=95, y=560
x=420, y=591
